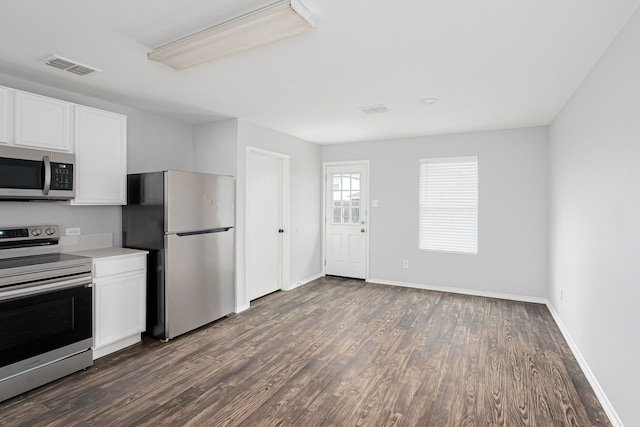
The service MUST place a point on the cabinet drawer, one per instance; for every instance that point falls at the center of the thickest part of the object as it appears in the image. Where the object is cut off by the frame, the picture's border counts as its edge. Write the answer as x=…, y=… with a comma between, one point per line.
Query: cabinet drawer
x=119, y=266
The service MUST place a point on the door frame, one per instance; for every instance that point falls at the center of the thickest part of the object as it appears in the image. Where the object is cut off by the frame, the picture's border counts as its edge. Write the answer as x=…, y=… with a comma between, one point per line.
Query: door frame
x=286, y=214
x=325, y=165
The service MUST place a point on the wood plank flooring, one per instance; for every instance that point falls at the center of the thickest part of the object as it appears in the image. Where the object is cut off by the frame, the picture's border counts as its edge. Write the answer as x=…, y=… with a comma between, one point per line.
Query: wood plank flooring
x=335, y=352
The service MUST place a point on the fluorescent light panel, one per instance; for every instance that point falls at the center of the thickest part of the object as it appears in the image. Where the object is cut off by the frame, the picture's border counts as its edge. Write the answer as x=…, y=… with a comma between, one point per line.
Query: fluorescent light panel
x=271, y=23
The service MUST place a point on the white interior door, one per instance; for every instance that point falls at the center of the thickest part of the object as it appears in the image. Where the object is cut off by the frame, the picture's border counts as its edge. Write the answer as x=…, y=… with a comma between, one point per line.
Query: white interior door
x=264, y=224
x=346, y=224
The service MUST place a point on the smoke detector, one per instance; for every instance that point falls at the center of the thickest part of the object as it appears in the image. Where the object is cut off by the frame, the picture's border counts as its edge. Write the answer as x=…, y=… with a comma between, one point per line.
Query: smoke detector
x=69, y=65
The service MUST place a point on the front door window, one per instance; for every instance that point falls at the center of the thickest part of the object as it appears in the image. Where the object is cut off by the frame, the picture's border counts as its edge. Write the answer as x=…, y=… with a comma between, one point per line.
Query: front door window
x=346, y=198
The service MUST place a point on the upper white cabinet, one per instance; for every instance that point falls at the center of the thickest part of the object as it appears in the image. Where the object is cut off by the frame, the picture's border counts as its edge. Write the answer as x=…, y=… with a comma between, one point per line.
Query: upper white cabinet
x=97, y=137
x=4, y=115
x=101, y=157
x=42, y=122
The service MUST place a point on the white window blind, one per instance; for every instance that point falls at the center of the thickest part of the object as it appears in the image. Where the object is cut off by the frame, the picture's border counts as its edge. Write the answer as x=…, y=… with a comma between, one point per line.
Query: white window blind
x=449, y=204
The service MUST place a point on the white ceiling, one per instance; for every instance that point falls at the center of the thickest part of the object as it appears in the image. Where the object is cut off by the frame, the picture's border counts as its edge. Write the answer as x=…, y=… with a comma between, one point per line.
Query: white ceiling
x=493, y=64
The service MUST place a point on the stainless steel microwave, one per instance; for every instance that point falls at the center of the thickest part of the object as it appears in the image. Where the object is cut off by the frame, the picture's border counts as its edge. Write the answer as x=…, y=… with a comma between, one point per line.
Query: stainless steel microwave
x=27, y=174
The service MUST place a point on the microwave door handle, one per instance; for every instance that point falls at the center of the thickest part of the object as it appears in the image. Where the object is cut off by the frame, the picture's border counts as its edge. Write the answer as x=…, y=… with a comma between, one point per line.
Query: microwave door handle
x=47, y=175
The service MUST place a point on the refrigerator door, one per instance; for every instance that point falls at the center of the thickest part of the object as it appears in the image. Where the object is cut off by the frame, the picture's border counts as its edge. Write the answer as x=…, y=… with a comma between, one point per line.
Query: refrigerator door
x=198, y=201
x=199, y=279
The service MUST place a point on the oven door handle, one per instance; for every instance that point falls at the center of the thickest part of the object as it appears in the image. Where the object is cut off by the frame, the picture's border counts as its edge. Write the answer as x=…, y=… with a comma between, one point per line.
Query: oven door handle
x=57, y=285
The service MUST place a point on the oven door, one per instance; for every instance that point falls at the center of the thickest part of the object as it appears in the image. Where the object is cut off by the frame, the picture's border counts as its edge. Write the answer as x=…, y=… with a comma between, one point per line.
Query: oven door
x=44, y=323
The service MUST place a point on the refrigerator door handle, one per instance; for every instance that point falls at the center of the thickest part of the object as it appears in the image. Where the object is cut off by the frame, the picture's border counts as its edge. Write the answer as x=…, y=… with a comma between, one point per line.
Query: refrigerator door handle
x=208, y=231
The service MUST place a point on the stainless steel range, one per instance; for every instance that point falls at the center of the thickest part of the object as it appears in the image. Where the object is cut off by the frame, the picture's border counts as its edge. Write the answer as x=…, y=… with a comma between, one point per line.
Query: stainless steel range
x=46, y=309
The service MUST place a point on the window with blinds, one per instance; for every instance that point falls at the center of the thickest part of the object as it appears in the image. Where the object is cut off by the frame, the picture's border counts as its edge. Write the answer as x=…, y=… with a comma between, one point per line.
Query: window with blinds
x=449, y=204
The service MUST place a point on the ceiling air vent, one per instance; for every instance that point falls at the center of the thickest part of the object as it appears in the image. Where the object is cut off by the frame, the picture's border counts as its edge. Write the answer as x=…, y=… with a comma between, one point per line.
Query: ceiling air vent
x=374, y=109
x=69, y=65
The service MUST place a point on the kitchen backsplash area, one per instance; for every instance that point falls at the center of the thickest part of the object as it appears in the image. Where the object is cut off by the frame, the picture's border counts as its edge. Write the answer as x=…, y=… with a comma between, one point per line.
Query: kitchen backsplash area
x=90, y=219
x=86, y=242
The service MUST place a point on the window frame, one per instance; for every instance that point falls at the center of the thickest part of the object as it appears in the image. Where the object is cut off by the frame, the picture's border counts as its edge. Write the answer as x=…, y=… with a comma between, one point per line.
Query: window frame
x=350, y=207
x=465, y=248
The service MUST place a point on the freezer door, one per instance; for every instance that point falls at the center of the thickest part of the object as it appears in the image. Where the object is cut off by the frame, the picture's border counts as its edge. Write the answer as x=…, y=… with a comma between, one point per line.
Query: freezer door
x=199, y=282
x=198, y=201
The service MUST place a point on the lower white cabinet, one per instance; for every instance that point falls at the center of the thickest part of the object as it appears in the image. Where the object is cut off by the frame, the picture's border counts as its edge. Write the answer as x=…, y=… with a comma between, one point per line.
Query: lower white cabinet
x=119, y=302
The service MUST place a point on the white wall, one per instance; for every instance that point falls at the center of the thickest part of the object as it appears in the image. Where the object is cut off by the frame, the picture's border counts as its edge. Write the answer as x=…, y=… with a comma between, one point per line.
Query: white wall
x=216, y=147
x=595, y=220
x=154, y=143
x=513, y=202
x=157, y=143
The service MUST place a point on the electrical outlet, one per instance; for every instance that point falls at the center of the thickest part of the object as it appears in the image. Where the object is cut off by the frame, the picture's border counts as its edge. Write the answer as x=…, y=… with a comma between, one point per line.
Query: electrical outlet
x=72, y=231
x=405, y=264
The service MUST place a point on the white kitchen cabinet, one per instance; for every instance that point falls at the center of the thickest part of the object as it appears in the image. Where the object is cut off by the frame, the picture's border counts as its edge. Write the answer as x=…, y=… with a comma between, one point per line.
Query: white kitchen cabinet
x=97, y=137
x=101, y=157
x=119, y=277
x=42, y=122
x=4, y=115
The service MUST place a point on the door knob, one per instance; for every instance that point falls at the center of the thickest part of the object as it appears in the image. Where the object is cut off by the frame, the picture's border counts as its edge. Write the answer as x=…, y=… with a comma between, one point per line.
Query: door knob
x=362, y=230
x=280, y=230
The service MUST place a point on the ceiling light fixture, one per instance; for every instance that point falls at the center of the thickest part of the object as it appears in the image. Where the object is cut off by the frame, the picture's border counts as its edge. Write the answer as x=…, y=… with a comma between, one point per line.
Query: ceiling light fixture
x=268, y=24
x=429, y=101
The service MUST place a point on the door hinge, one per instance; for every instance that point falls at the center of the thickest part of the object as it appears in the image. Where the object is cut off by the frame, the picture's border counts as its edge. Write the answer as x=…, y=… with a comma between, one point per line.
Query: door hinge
x=325, y=262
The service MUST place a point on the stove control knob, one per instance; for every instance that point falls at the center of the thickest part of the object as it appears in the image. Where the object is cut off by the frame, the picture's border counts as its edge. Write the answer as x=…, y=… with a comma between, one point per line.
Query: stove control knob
x=50, y=231
x=36, y=231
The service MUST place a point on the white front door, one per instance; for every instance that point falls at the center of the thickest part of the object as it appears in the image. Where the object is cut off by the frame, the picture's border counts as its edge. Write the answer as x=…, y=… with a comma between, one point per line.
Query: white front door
x=265, y=224
x=346, y=224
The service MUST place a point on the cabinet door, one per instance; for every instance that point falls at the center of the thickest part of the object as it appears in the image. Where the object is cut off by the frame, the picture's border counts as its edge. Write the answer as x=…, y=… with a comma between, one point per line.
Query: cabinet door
x=4, y=115
x=120, y=307
x=101, y=157
x=42, y=122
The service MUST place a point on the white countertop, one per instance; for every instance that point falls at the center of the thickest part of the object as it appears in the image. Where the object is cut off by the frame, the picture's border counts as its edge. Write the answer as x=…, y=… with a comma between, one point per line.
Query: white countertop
x=104, y=253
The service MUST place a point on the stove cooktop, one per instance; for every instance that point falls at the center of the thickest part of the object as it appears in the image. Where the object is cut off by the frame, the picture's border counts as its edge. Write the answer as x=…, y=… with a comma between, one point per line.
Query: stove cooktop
x=55, y=260
x=29, y=254
x=28, y=269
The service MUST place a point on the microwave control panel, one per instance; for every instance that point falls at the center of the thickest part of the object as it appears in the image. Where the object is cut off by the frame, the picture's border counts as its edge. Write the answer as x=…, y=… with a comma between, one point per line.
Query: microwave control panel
x=61, y=176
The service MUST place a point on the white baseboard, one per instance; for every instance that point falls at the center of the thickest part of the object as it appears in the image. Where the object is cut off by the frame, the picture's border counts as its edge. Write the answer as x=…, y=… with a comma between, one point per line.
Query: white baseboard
x=303, y=282
x=602, y=397
x=241, y=308
x=523, y=298
x=245, y=307
x=115, y=346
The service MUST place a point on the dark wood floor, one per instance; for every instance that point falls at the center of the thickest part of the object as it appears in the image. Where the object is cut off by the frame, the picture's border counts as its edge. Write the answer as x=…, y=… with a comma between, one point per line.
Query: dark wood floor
x=335, y=353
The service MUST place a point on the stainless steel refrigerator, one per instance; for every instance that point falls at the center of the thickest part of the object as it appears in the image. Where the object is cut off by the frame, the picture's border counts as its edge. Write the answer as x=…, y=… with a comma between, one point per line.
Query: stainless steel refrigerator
x=186, y=222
